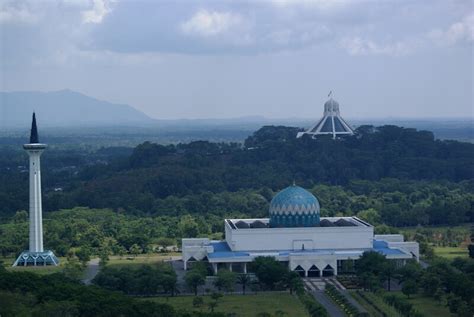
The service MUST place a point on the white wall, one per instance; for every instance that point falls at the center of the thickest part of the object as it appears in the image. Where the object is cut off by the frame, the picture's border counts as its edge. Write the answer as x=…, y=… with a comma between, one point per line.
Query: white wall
x=289, y=238
x=389, y=237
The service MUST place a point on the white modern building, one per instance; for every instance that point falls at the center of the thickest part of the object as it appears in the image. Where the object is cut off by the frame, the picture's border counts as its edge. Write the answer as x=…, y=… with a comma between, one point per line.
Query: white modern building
x=36, y=255
x=296, y=235
x=330, y=124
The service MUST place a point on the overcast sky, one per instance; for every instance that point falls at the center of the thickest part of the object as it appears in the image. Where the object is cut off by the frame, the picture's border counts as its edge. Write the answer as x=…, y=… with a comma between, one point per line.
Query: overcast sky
x=222, y=58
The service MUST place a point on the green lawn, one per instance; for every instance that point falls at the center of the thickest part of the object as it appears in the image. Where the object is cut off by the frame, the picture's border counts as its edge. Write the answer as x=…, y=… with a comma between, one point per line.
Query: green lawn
x=130, y=260
x=244, y=305
x=428, y=306
x=451, y=252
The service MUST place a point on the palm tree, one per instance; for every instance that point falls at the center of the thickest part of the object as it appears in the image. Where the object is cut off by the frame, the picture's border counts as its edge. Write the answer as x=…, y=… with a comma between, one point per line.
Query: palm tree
x=244, y=280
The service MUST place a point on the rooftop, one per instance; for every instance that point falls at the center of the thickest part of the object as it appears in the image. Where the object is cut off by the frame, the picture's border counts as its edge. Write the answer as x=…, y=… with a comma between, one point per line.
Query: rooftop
x=222, y=250
x=259, y=223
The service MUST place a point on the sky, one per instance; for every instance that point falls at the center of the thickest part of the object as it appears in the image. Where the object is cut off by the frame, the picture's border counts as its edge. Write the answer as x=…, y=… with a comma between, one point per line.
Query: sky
x=226, y=59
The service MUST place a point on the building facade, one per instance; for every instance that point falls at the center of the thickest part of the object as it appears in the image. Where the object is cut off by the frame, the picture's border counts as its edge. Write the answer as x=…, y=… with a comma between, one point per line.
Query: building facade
x=296, y=235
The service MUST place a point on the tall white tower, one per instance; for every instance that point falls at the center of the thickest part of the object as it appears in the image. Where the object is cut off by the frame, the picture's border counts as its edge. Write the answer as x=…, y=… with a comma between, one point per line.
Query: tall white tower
x=330, y=124
x=35, y=255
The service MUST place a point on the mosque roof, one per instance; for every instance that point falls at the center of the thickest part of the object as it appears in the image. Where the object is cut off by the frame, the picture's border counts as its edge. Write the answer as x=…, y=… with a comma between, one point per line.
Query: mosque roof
x=294, y=196
x=222, y=250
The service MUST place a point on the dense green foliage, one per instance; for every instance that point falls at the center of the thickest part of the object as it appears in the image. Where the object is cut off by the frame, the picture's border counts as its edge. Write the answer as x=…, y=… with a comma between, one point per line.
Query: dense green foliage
x=96, y=230
x=28, y=294
x=179, y=179
x=452, y=281
x=271, y=158
x=270, y=272
x=145, y=280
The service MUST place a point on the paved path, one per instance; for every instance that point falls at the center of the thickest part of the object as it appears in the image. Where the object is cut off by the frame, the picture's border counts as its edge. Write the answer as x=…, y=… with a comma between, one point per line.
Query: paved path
x=353, y=301
x=316, y=287
x=91, y=271
x=332, y=309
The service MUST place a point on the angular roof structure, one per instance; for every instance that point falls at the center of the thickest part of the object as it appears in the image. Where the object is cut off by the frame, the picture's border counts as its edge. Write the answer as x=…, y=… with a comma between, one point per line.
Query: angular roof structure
x=331, y=123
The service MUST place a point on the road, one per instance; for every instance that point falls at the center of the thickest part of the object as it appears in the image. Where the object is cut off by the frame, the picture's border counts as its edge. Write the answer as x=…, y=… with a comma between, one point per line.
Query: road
x=331, y=308
x=316, y=287
x=91, y=271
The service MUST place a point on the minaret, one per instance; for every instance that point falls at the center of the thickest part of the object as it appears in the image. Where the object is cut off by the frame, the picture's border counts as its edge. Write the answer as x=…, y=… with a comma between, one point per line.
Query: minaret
x=35, y=255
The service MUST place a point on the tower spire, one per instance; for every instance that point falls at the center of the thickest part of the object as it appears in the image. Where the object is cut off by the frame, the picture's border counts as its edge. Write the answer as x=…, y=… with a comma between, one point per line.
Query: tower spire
x=34, y=131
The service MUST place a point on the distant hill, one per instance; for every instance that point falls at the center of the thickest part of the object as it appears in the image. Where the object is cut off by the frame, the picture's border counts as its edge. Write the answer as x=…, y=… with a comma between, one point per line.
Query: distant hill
x=64, y=108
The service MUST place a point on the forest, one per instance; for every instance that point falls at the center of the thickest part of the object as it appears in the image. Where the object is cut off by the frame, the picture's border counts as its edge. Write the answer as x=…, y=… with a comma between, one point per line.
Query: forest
x=121, y=197
x=127, y=201
x=155, y=179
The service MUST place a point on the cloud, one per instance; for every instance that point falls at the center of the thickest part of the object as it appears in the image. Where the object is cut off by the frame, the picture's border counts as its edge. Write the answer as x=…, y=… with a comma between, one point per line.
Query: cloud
x=100, y=8
x=462, y=31
x=319, y=4
x=16, y=13
x=210, y=23
x=360, y=46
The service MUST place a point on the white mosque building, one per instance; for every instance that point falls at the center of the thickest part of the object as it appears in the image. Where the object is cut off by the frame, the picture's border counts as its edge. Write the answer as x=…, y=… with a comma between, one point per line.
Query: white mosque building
x=297, y=236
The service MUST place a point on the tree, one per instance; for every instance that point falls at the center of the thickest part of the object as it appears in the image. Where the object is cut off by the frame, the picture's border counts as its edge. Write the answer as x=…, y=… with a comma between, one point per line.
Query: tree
x=165, y=243
x=135, y=250
x=388, y=272
x=20, y=216
x=293, y=281
x=198, y=301
x=409, y=288
x=430, y=283
x=213, y=304
x=188, y=227
x=103, y=257
x=84, y=255
x=411, y=271
x=438, y=295
x=370, y=268
x=244, y=280
x=194, y=279
x=225, y=280
x=73, y=269
x=268, y=271
x=168, y=282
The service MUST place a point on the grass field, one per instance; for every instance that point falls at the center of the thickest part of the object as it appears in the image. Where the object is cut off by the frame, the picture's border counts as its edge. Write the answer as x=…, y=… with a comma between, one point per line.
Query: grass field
x=428, y=306
x=451, y=252
x=140, y=259
x=244, y=305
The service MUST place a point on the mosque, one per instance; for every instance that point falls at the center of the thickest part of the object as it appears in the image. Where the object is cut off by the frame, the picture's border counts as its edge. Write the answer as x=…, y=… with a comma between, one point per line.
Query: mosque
x=296, y=235
x=331, y=123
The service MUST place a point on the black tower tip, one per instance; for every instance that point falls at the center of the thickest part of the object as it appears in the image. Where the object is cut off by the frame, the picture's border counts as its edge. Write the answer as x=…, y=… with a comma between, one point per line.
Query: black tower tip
x=34, y=131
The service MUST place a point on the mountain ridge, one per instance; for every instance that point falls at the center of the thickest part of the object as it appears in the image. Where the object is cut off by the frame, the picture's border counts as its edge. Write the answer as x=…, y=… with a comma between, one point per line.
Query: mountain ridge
x=65, y=108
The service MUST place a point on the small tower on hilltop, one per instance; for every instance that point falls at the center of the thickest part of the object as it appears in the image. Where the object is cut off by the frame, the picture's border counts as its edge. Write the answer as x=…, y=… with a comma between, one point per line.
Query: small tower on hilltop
x=36, y=255
x=331, y=123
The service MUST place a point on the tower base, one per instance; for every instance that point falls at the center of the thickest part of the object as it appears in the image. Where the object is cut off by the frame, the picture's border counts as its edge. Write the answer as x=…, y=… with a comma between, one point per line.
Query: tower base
x=44, y=258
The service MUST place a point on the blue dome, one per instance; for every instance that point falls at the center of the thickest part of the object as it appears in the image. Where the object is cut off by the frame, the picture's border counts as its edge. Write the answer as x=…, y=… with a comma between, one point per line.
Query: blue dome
x=294, y=207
